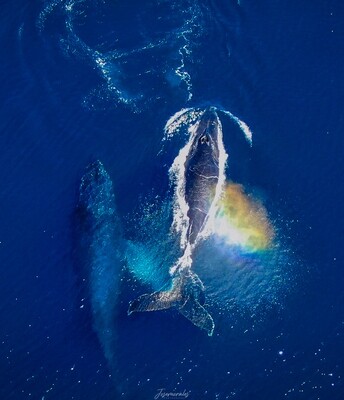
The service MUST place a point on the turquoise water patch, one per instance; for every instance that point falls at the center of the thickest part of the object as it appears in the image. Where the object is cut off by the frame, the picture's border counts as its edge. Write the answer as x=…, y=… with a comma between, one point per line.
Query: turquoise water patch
x=146, y=264
x=154, y=249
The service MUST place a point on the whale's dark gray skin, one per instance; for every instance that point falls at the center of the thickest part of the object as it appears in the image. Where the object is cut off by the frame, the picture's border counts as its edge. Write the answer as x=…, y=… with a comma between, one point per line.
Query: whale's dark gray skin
x=100, y=242
x=201, y=178
x=202, y=173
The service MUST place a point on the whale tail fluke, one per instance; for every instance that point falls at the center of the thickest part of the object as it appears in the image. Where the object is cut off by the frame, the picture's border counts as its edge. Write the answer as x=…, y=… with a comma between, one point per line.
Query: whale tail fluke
x=198, y=315
x=185, y=295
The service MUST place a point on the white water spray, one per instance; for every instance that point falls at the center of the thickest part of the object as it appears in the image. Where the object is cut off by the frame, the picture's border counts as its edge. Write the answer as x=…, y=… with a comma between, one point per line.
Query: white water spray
x=242, y=125
x=182, y=118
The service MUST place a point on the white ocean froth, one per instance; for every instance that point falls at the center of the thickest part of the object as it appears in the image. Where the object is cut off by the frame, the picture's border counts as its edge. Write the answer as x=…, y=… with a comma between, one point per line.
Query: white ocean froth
x=181, y=119
x=44, y=14
x=177, y=177
x=223, y=156
x=111, y=64
x=181, y=71
x=191, y=29
x=242, y=125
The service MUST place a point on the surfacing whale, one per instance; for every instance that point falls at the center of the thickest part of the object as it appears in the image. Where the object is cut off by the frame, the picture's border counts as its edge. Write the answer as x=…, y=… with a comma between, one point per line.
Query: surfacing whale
x=201, y=187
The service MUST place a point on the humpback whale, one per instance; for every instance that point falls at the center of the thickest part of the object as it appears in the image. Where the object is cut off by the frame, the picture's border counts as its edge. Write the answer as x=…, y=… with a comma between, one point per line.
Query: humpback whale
x=202, y=184
x=100, y=247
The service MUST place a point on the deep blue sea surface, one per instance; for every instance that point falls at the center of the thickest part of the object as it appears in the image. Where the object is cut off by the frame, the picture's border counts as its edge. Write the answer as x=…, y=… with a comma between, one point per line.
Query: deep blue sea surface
x=83, y=80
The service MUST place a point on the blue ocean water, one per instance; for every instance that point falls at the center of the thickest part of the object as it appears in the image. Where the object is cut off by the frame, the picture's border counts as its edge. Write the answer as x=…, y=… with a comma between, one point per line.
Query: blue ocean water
x=89, y=79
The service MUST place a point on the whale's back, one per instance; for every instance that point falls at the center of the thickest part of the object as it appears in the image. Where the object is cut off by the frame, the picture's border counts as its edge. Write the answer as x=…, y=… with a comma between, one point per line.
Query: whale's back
x=201, y=177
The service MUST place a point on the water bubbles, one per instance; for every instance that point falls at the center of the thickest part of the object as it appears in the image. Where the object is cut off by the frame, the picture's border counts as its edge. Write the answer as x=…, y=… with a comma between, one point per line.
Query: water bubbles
x=135, y=65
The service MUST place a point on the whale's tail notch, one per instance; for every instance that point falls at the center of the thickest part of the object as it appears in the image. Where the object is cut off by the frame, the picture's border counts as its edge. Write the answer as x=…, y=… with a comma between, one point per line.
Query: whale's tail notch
x=185, y=295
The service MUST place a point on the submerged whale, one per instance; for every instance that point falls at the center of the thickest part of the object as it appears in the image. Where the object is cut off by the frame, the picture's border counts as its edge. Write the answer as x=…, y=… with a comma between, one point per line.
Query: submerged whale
x=202, y=183
x=100, y=248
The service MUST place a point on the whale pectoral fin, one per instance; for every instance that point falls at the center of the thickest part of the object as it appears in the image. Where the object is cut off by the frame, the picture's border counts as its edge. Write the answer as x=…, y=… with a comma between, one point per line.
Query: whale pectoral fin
x=152, y=302
x=198, y=315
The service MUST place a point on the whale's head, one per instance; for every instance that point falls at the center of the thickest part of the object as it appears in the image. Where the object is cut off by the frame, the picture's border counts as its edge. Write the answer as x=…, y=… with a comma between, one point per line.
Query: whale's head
x=205, y=142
